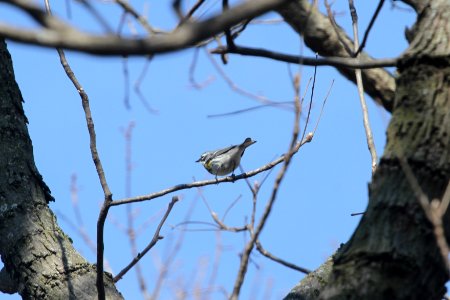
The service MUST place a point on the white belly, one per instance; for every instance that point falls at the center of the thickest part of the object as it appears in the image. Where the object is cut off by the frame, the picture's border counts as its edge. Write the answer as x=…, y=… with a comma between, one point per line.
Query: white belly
x=222, y=166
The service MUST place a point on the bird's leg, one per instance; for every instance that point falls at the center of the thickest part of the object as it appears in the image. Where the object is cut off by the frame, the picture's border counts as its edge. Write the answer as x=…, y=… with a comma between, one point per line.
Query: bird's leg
x=232, y=174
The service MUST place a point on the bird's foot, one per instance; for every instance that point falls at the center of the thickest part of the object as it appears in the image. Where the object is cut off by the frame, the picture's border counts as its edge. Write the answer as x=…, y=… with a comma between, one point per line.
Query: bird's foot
x=233, y=177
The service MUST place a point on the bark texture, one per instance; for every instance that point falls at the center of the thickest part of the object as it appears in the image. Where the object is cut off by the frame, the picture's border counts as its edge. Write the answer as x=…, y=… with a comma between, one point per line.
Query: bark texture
x=37, y=255
x=393, y=253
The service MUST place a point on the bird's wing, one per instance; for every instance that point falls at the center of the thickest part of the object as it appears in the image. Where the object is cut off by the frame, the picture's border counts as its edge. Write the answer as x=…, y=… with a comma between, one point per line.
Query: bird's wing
x=224, y=150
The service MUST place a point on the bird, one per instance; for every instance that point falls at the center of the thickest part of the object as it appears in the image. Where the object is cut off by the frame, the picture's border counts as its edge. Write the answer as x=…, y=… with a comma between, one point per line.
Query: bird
x=224, y=161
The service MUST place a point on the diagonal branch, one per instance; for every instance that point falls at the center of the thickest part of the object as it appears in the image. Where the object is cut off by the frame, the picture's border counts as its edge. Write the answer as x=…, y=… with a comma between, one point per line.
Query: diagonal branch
x=155, y=239
x=281, y=261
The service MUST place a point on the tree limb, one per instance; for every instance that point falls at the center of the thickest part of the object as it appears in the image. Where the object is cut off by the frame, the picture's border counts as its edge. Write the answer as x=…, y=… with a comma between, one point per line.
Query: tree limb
x=341, y=62
x=58, y=34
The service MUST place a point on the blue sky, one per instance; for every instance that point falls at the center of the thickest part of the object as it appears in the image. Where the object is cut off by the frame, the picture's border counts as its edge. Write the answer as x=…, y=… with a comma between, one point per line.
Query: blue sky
x=326, y=182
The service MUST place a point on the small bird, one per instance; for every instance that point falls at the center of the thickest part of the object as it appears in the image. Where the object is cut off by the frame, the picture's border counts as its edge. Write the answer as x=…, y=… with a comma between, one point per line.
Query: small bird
x=224, y=161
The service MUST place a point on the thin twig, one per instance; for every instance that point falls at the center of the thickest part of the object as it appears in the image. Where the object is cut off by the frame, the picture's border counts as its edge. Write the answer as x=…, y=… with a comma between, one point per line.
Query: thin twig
x=176, y=5
x=357, y=214
x=323, y=106
x=192, y=68
x=234, y=86
x=347, y=62
x=223, y=226
x=284, y=105
x=227, y=31
x=232, y=204
x=191, y=12
x=137, y=86
x=369, y=27
x=269, y=255
x=220, y=223
x=255, y=190
x=142, y=20
x=155, y=239
x=359, y=82
x=96, y=14
x=310, y=101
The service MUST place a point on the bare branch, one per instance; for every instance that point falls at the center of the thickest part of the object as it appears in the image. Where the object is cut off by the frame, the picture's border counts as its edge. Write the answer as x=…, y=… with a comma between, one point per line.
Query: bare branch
x=323, y=106
x=137, y=86
x=143, y=21
x=155, y=239
x=56, y=33
x=233, y=85
x=191, y=12
x=359, y=83
x=220, y=223
x=369, y=27
x=269, y=255
x=343, y=62
x=192, y=68
x=310, y=102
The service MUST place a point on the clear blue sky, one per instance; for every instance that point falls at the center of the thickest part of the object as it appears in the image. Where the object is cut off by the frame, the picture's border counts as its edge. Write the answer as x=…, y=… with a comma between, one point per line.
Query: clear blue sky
x=326, y=182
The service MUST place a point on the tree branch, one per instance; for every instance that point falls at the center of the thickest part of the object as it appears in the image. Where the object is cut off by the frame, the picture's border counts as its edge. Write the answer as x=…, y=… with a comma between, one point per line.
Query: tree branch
x=360, y=85
x=58, y=34
x=343, y=62
x=155, y=239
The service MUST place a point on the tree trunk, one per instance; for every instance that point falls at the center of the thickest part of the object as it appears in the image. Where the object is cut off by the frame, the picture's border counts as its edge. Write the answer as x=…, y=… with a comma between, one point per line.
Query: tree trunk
x=38, y=256
x=393, y=253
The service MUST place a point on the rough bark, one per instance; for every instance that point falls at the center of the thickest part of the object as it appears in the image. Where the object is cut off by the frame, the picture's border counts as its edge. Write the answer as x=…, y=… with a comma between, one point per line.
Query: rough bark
x=320, y=36
x=37, y=255
x=393, y=253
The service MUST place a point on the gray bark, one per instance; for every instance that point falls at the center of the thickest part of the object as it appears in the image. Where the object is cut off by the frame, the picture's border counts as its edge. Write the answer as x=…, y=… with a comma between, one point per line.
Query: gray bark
x=37, y=255
x=393, y=254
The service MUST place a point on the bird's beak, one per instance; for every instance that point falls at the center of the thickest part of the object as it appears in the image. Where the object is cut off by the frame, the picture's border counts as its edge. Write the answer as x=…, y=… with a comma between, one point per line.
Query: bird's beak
x=198, y=160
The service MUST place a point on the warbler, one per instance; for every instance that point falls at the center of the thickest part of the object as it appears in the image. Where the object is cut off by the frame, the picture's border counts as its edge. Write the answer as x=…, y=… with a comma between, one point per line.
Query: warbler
x=224, y=161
